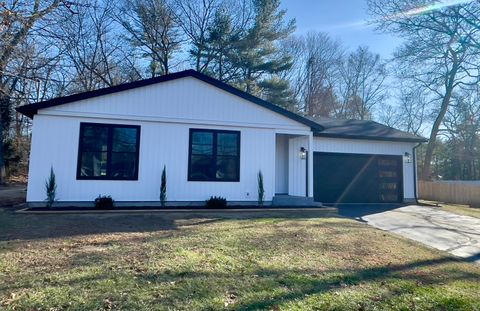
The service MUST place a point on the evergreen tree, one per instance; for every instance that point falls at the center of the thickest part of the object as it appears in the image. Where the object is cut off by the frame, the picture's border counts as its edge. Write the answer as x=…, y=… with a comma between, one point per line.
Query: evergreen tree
x=257, y=54
x=220, y=38
x=278, y=91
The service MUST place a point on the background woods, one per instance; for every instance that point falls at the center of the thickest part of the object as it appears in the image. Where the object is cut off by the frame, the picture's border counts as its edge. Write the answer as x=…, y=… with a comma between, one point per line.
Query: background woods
x=430, y=86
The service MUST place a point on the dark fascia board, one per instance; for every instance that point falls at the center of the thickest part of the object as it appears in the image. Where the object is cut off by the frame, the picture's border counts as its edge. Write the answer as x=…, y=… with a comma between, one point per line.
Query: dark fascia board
x=379, y=138
x=32, y=109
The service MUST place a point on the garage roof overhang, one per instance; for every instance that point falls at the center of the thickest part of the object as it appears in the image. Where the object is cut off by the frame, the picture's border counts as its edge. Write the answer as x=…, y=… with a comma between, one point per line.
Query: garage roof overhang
x=363, y=129
x=416, y=139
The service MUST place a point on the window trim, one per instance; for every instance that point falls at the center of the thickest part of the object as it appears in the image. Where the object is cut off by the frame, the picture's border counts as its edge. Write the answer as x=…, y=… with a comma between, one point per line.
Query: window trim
x=110, y=127
x=215, y=134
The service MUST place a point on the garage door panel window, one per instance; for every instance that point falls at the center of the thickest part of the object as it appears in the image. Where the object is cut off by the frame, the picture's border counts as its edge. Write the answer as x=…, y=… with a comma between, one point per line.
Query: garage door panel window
x=387, y=162
x=387, y=174
x=214, y=155
x=108, y=151
x=389, y=186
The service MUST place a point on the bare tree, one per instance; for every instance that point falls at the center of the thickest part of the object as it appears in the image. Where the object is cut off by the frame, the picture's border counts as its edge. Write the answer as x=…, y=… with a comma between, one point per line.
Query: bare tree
x=17, y=23
x=154, y=30
x=440, y=51
x=93, y=50
x=409, y=111
x=461, y=129
x=196, y=17
x=315, y=72
x=389, y=115
x=362, y=85
x=413, y=110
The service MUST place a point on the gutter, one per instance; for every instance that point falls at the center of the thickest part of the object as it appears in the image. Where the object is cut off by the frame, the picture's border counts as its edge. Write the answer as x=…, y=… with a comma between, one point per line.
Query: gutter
x=414, y=150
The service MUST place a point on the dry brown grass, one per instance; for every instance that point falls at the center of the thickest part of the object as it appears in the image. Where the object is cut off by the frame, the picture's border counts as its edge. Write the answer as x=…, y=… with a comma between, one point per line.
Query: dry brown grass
x=269, y=261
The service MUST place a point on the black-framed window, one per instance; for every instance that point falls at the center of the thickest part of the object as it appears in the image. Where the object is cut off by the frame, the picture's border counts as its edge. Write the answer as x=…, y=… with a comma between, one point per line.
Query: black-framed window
x=214, y=155
x=108, y=151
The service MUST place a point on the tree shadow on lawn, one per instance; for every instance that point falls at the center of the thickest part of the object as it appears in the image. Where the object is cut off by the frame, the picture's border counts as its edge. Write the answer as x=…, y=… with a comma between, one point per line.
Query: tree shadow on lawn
x=14, y=226
x=265, y=289
x=273, y=287
x=254, y=286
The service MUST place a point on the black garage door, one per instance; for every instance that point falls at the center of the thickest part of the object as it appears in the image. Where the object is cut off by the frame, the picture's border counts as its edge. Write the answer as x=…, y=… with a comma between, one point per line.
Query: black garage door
x=357, y=178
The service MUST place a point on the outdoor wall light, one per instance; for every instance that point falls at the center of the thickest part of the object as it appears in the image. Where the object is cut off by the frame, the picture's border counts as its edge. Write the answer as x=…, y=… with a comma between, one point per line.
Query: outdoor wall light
x=407, y=157
x=303, y=153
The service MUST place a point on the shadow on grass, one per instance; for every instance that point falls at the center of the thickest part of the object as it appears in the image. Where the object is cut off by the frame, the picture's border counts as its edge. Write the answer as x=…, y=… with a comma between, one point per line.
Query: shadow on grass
x=15, y=226
x=265, y=289
x=292, y=285
x=255, y=286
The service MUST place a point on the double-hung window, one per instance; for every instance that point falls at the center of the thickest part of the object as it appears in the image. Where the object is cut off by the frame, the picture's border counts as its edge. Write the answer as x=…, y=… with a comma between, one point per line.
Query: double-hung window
x=214, y=155
x=108, y=151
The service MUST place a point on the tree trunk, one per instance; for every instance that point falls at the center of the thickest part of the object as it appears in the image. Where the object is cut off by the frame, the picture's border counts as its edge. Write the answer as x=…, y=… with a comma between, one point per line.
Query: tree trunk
x=426, y=170
x=4, y=124
x=3, y=174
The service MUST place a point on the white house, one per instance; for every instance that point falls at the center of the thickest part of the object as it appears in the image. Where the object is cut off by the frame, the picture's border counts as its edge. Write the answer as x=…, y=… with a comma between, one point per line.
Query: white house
x=213, y=140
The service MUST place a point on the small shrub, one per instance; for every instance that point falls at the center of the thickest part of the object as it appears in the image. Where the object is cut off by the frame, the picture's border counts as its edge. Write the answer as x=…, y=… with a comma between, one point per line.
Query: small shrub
x=51, y=189
x=104, y=202
x=216, y=202
x=163, y=186
x=261, y=189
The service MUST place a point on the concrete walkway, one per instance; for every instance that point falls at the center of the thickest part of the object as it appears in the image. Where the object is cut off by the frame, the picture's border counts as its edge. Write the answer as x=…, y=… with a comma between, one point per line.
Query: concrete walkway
x=456, y=234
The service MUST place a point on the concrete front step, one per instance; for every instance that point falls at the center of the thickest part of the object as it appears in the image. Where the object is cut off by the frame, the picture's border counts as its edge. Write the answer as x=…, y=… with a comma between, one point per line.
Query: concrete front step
x=288, y=200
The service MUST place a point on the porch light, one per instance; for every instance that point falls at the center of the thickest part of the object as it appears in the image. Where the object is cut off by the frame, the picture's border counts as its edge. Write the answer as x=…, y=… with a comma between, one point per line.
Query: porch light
x=303, y=153
x=407, y=157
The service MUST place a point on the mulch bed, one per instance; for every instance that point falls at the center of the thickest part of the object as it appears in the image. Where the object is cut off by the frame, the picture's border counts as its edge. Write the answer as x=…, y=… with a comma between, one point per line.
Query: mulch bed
x=74, y=209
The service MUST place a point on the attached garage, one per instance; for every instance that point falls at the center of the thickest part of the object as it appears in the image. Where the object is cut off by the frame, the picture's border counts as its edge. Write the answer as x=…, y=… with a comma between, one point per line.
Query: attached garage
x=361, y=161
x=357, y=178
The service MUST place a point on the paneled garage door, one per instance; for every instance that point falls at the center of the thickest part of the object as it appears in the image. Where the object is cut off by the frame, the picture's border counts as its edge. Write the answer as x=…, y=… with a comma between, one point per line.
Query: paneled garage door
x=357, y=178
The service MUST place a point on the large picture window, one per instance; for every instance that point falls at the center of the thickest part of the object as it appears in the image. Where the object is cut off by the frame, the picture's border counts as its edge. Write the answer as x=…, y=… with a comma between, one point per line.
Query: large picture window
x=214, y=155
x=108, y=151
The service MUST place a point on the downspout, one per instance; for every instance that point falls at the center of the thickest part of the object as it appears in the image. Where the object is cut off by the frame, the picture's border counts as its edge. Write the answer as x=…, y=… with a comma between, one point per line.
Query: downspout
x=414, y=150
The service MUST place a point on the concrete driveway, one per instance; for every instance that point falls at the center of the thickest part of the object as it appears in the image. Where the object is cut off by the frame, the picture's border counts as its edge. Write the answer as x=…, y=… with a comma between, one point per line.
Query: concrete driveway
x=456, y=234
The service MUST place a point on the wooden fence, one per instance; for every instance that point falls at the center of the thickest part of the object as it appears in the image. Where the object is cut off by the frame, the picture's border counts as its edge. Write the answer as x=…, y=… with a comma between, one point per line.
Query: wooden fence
x=449, y=192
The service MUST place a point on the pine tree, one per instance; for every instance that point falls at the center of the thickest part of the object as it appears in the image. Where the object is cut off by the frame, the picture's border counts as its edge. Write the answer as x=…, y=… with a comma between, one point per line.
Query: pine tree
x=277, y=91
x=257, y=54
x=220, y=38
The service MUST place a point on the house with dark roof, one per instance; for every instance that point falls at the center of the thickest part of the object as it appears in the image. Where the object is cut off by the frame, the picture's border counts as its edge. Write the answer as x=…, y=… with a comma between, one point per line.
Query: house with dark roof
x=213, y=140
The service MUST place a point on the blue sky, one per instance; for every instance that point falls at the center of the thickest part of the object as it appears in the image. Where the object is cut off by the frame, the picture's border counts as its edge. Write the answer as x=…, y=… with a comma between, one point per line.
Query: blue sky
x=342, y=19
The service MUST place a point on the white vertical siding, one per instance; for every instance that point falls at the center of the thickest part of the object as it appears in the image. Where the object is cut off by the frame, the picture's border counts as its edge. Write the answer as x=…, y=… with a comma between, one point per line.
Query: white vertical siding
x=297, y=168
x=55, y=143
x=281, y=164
x=310, y=165
x=186, y=100
x=322, y=144
x=165, y=113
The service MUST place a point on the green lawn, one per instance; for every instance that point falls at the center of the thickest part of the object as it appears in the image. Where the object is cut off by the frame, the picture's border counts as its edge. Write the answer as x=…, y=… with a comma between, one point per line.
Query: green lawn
x=273, y=261
x=457, y=208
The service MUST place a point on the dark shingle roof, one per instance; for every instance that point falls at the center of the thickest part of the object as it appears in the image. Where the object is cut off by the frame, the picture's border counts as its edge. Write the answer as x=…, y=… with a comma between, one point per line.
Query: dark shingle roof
x=362, y=129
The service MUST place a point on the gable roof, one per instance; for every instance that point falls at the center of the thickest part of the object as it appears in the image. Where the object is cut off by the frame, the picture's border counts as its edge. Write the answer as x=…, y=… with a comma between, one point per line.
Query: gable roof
x=362, y=129
x=32, y=109
x=325, y=127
